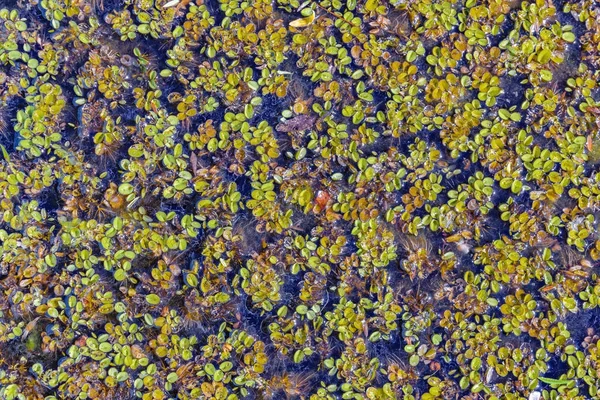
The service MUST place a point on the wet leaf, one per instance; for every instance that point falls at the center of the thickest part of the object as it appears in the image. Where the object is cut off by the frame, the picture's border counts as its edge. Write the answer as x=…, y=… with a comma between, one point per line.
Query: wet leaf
x=303, y=22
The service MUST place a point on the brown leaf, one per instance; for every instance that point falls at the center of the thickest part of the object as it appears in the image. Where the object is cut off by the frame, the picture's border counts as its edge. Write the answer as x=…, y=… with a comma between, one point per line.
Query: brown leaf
x=298, y=123
x=194, y=162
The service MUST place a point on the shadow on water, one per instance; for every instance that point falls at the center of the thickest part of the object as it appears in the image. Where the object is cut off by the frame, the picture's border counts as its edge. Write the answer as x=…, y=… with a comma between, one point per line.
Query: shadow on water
x=8, y=114
x=50, y=200
x=9, y=4
x=270, y=109
x=579, y=323
x=108, y=6
x=513, y=92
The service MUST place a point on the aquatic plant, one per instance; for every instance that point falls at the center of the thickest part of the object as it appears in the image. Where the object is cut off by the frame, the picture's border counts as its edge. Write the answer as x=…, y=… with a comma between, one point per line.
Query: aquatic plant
x=280, y=199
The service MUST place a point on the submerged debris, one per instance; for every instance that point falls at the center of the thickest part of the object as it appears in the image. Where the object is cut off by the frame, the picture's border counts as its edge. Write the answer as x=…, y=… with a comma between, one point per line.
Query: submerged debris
x=297, y=123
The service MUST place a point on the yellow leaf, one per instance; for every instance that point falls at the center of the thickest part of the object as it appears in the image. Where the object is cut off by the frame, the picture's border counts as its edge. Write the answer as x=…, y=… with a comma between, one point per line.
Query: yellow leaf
x=302, y=22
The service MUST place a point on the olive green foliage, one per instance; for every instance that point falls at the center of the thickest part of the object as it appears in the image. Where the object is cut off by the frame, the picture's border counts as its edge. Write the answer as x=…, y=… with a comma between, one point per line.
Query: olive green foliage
x=330, y=199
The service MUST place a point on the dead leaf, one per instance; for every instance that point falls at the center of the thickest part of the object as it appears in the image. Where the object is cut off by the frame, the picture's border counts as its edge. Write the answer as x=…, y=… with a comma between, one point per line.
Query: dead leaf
x=194, y=162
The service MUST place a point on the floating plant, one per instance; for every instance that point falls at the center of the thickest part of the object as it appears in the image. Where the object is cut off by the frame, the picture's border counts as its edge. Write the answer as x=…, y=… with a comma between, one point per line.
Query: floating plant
x=358, y=199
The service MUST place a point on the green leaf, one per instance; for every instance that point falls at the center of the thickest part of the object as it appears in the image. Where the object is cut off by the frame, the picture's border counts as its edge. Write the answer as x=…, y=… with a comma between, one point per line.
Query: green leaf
x=172, y=377
x=14, y=55
x=552, y=381
x=5, y=154
x=569, y=37
x=152, y=299
x=544, y=56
